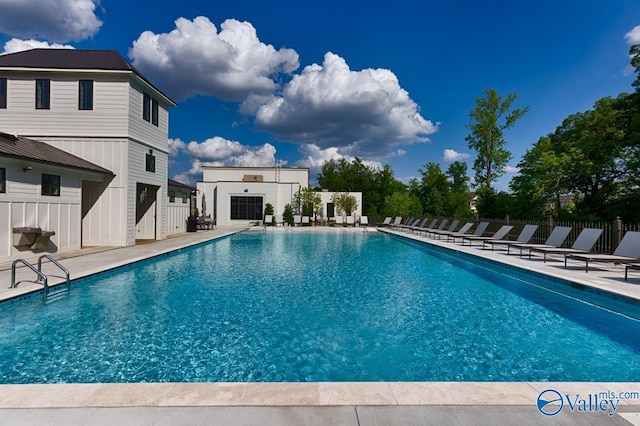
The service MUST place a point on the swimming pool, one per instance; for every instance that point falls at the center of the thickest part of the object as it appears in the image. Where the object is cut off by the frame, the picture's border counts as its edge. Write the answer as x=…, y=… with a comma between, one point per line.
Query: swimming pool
x=334, y=306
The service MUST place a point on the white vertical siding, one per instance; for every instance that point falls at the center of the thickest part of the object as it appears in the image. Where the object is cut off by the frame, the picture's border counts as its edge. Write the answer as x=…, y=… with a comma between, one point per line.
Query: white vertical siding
x=22, y=205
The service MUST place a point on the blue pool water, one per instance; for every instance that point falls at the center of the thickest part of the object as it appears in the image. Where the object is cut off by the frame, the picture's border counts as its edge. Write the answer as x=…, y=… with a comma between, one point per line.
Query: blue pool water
x=290, y=306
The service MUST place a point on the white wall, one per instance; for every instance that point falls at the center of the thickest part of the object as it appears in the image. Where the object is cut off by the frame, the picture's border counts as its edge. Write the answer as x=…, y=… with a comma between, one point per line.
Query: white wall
x=23, y=205
x=177, y=212
x=326, y=198
x=107, y=119
x=109, y=135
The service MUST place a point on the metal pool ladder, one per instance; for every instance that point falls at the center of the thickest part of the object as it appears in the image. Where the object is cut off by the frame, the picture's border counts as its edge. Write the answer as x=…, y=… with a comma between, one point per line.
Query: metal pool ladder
x=41, y=277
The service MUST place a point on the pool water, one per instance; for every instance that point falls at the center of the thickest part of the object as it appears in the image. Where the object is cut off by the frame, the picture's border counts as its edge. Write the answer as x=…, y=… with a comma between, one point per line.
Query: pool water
x=334, y=306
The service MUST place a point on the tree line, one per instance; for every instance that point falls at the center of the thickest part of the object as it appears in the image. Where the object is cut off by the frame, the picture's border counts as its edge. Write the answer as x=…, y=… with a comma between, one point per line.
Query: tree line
x=587, y=169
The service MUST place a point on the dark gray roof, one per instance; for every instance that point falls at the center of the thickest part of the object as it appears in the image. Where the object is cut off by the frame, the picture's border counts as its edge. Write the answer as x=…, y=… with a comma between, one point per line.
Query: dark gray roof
x=29, y=149
x=180, y=184
x=77, y=59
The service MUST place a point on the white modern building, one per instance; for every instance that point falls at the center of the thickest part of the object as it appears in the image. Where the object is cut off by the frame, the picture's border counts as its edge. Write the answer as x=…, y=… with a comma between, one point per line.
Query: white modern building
x=95, y=105
x=238, y=195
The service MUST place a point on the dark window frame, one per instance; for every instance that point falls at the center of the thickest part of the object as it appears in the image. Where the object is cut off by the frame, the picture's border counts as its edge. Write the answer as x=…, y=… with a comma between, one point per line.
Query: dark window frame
x=3, y=92
x=85, y=95
x=3, y=180
x=50, y=185
x=246, y=207
x=146, y=106
x=154, y=111
x=172, y=196
x=43, y=93
x=185, y=197
x=150, y=163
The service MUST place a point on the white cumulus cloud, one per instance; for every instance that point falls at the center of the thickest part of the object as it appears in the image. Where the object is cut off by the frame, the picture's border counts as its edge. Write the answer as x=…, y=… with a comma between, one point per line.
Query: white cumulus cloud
x=56, y=20
x=364, y=113
x=453, y=155
x=314, y=157
x=218, y=151
x=511, y=169
x=196, y=59
x=633, y=36
x=19, y=45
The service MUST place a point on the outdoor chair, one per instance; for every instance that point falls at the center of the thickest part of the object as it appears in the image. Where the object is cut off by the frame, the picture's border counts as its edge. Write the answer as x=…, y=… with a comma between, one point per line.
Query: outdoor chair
x=582, y=245
x=499, y=235
x=556, y=239
x=482, y=226
x=462, y=231
x=628, y=251
x=525, y=236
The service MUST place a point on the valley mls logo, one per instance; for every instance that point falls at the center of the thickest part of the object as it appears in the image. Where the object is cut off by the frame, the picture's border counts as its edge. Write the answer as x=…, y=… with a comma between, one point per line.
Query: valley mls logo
x=551, y=402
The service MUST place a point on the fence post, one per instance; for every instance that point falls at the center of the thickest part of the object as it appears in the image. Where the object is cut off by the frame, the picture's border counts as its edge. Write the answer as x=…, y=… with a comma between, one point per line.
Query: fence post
x=506, y=219
x=550, y=225
x=617, y=232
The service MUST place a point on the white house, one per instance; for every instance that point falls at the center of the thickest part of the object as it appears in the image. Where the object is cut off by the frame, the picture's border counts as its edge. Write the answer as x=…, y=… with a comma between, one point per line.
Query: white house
x=98, y=107
x=178, y=207
x=41, y=187
x=238, y=195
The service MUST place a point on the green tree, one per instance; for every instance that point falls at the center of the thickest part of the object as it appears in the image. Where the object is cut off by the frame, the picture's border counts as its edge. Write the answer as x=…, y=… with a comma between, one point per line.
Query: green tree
x=351, y=176
x=457, y=201
x=287, y=215
x=490, y=118
x=307, y=201
x=434, y=187
x=344, y=203
x=402, y=203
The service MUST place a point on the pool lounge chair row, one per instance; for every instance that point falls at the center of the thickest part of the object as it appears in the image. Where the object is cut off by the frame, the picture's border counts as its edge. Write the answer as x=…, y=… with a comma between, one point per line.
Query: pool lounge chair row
x=299, y=220
x=627, y=252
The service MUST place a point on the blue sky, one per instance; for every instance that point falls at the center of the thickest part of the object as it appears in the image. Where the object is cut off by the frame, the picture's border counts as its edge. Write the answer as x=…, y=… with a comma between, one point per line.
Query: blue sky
x=298, y=83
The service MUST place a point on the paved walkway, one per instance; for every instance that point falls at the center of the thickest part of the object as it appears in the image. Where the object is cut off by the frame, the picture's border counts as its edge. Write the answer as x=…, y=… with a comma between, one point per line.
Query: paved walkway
x=302, y=403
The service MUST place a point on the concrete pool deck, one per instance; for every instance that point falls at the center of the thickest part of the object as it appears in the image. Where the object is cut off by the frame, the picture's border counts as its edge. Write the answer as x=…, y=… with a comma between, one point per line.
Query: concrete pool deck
x=303, y=403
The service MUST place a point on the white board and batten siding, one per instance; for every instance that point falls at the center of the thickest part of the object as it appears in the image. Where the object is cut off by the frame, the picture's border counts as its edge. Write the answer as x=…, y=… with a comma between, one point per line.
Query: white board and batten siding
x=23, y=205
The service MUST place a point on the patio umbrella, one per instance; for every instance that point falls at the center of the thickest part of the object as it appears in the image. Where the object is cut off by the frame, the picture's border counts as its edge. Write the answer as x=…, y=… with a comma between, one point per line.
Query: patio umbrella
x=204, y=205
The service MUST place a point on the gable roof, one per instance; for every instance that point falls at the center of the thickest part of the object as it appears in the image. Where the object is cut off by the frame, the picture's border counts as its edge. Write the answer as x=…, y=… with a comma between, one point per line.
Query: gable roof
x=73, y=59
x=29, y=149
x=175, y=183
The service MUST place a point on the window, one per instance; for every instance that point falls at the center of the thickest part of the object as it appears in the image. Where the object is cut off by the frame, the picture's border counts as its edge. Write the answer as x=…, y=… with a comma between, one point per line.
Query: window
x=51, y=185
x=85, y=94
x=246, y=208
x=43, y=92
x=172, y=196
x=3, y=93
x=146, y=105
x=150, y=163
x=149, y=109
x=185, y=198
x=3, y=180
x=154, y=112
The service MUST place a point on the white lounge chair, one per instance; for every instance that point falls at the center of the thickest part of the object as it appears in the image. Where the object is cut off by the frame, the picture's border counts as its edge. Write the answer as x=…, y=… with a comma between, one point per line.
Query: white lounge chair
x=628, y=251
x=451, y=228
x=364, y=221
x=268, y=219
x=582, y=245
x=297, y=220
x=279, y=220
x=305, y=220
x=351, y=221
